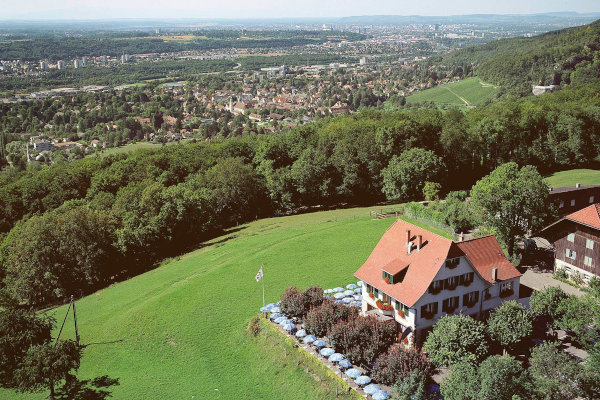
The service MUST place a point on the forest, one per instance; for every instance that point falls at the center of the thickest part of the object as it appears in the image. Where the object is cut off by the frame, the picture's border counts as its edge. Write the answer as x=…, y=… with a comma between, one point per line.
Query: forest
x=74, y=227
x=555, y=58
x=55, y=48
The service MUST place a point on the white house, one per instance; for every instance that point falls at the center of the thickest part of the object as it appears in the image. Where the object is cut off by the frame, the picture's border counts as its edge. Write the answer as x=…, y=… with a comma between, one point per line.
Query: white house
x=414, y=277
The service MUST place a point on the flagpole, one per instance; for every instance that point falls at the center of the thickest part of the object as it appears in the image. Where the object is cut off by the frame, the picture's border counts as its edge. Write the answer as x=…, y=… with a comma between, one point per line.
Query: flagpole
x=262, y=278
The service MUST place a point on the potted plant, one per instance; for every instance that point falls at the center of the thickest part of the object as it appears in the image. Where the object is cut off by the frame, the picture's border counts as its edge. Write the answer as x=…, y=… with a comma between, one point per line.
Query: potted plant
x=386, y=280
x=401, y=313
x=371, y=295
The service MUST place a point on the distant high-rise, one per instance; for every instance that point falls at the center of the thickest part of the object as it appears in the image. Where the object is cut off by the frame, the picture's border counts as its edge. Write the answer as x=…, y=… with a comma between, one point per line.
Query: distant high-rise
x=77, y=63
x=124, y=58
x=43, y=65
x=60, y=64
x=84, y=61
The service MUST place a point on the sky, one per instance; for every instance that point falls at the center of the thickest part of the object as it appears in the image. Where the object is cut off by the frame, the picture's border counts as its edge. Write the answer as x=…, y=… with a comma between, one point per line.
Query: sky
x=94, y=9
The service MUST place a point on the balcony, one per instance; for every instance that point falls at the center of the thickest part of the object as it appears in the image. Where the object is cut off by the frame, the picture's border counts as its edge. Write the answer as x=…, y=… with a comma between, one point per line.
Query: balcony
x=385, y=308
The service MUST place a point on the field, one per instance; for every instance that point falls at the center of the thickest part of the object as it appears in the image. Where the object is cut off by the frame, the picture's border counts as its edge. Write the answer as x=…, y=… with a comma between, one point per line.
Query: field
x=468, y=92
x=178, y=331
x=574, y=176
x=131, y=147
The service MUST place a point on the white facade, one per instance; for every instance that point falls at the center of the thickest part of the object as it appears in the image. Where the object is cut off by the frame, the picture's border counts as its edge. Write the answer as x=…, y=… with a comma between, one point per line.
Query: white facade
x=418, y=322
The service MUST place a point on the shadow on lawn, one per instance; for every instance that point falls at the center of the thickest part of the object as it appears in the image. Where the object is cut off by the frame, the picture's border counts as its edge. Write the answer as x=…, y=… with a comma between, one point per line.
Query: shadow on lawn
x=88, y=389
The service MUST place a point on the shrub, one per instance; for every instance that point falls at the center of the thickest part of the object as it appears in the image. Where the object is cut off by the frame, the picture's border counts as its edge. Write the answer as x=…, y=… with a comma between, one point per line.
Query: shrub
x=577, y=279
x=319, y=320
x=410, y=388
x=253, y=327
x=560, y=273
x=456, y=338
x=291, y=303
x=398, y=362
x=362, y=339
x=296, y=304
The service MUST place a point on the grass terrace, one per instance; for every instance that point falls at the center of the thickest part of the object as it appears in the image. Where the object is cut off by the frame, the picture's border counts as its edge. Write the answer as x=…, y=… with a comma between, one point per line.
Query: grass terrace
x=574, y=176
x=179, y=331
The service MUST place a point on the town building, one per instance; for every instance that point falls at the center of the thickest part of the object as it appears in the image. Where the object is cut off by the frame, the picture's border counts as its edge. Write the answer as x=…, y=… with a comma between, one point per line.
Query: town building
x=43, y=65
x=569, y=199
x=415, y=277
x=43, y=145
x=77, y=63
x=576, y=241
x=60, y=64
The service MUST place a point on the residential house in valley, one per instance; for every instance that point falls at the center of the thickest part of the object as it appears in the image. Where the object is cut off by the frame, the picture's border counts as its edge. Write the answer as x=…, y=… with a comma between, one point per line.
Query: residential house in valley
x=414, y=277
x=576, y=240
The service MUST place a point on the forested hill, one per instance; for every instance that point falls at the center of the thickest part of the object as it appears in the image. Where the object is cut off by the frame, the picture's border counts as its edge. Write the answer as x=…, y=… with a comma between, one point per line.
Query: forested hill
x=70, y=228
x=568, y=56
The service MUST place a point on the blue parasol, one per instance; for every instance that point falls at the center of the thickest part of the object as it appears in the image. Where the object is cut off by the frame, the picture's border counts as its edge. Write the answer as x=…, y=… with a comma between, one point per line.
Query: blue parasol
x=345, y=364
x=338, y=289
x=348, y=292
x=362, y=380
x=358, y=291
x=274, y=316
x=381, y=395
x=309, y=338
x=275, y=309
x=301, y=333
x=336, y=357
x=359, y=283
x=372, y=389
x=327, y=351
x=319, y=343
x=339, y=295
x=351, y=286
x=354, y=373
x=289, y=327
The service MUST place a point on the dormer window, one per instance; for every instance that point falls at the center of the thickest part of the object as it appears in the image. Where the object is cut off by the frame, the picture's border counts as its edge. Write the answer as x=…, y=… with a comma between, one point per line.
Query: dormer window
x=388, y=278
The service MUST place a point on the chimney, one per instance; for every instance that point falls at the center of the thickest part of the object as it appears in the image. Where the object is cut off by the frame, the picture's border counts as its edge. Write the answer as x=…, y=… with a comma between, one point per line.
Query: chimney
x=494, y=274
x=419, y=242
x=578, y=185
x=461, y=237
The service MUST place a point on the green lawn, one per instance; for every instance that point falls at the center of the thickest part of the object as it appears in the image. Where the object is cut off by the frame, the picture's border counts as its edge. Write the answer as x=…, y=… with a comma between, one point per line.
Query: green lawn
x=468, y=92
x=574, y=176
x=178, y=331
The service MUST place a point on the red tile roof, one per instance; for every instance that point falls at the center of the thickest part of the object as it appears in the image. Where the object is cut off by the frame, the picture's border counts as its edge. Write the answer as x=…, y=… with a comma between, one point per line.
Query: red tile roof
x=589, y=216
x=423, y=265
x=485, y=254
x=391, y=255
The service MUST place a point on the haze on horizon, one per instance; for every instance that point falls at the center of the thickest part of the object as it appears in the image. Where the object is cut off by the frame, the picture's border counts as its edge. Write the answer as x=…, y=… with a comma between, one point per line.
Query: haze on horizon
x=103, y=9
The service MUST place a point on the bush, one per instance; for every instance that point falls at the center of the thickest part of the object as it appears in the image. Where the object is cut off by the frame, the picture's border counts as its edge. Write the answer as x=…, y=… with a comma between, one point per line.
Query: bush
x=410, y=388
x=253, y=327
x=319, y=320
x=560, y=273
x=296, y=304
x=362, y=339
x=456, y=338
x=398, y=362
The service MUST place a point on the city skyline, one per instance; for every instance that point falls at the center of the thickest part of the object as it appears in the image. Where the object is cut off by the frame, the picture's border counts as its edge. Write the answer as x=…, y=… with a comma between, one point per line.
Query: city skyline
x=237, y=9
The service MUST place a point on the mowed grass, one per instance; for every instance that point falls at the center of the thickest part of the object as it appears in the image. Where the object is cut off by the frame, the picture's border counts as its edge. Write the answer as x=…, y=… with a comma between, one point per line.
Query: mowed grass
x=574, y=176
x=178, y=331
x=468, y=92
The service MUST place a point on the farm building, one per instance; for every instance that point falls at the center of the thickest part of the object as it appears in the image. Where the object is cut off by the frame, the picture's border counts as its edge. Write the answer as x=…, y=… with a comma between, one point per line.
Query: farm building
x=414, y=277
x=576, y=240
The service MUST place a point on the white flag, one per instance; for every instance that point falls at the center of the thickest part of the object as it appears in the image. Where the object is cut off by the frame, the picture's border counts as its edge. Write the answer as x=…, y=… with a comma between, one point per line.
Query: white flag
x=259, y=275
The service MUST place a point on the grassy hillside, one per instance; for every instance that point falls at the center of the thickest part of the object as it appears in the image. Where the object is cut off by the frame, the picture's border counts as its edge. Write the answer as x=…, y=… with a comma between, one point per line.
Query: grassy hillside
x=178, y=332
x=468, y=92
x=574, y=176
x=559, y=57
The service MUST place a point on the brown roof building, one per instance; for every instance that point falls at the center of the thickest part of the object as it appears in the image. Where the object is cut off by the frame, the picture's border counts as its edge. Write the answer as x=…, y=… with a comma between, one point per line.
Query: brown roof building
x=576, y=241
x=415, y=277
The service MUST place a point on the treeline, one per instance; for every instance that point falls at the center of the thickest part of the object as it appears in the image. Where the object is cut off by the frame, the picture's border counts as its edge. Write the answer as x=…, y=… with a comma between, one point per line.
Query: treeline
x=555, y=58
x=57, y=48
x=73, y=227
